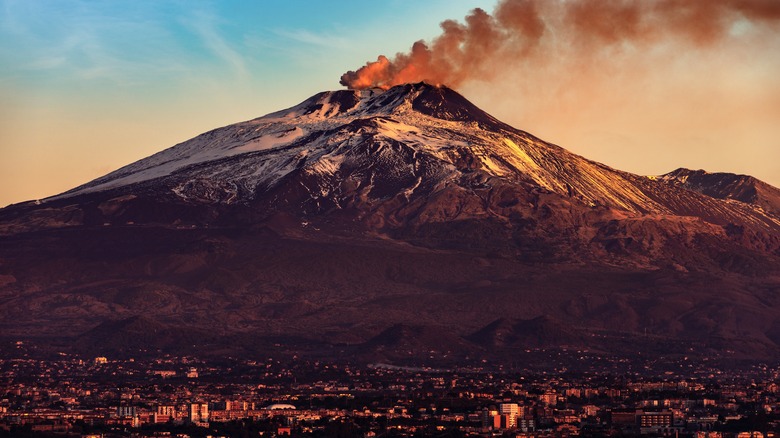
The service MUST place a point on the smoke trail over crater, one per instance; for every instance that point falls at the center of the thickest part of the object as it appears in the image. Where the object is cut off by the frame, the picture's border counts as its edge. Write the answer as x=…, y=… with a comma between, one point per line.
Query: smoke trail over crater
x=486, y=45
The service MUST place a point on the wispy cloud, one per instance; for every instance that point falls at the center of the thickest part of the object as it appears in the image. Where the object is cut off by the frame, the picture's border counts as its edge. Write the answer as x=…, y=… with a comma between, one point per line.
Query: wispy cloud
x=314, y=39
x=206, y=26
x=84, y=41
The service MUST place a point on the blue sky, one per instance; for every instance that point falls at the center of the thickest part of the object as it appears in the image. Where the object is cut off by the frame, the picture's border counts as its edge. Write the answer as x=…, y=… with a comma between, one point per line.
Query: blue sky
x=89, y=86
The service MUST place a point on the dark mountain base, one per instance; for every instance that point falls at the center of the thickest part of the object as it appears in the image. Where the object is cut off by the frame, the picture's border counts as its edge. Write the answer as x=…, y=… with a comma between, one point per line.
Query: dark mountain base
x=135, y=289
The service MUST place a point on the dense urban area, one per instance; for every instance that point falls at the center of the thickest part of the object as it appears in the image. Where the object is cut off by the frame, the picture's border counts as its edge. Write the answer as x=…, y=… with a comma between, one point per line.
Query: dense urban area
x=169, y=396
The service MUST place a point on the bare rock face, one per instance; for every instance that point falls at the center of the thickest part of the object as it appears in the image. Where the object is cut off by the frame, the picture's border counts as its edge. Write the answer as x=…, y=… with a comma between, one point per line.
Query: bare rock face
x=377, y=222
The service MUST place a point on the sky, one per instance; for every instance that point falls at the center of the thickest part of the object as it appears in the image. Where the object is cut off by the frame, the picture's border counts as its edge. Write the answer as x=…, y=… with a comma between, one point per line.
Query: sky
x=90, y=86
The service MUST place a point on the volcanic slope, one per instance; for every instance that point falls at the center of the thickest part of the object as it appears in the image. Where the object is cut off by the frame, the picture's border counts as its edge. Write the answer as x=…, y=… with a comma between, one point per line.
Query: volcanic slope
x=330, y=222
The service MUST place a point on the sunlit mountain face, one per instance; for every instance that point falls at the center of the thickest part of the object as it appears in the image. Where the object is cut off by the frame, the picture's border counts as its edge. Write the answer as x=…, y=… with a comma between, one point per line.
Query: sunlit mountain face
x=397, y=224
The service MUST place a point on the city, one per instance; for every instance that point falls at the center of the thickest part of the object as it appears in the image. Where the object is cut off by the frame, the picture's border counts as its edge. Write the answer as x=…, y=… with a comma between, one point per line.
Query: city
x=100, y=396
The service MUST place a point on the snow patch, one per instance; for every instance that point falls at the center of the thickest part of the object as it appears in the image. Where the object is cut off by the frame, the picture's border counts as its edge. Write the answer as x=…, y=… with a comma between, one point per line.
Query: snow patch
x=521, y=154
x=326, y=165
x=270, y=141
x=492, y=167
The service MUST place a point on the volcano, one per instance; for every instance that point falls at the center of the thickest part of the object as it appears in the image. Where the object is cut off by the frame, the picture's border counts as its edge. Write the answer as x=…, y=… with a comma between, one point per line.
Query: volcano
x=355, y=217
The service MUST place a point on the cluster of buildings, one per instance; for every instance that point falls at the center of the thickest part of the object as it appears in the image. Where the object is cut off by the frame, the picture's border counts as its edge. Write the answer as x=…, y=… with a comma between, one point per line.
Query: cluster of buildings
x=185, y=396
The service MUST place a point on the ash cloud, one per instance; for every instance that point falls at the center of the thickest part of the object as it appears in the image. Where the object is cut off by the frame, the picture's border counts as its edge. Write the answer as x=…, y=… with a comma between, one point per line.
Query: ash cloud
x=485, y=45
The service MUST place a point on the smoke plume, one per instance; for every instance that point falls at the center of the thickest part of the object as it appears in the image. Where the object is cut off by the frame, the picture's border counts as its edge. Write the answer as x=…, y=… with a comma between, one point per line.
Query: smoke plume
x=485, y=46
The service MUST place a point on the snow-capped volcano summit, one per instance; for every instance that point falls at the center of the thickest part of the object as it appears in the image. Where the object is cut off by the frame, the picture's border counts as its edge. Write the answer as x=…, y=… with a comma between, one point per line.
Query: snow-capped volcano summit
x=363, y=148
x=354, y=210
x=295, y=138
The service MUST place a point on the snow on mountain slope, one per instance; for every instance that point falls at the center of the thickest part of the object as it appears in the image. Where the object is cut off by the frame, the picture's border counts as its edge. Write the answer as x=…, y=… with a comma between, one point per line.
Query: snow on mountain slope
x=413, y=138
x=314, y=134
